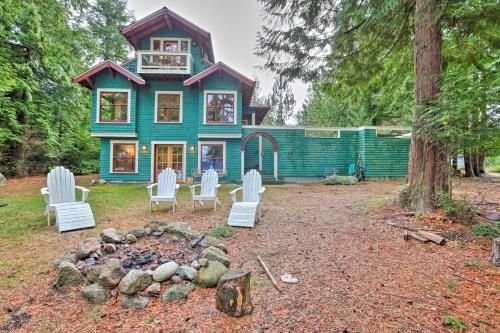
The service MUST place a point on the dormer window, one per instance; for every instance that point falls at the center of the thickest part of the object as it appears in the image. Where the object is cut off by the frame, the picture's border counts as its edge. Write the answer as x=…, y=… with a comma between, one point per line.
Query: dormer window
x=170, y=44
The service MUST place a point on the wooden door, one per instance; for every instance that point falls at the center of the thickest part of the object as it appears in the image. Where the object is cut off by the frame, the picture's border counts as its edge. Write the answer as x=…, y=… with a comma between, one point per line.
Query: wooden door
x=169, y=156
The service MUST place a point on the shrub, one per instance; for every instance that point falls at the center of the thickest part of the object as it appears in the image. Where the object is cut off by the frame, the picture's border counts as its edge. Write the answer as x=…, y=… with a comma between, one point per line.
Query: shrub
x=404, y=197
x=454, y=322
x=222, y=231
x=490, y=230
x=459, y=210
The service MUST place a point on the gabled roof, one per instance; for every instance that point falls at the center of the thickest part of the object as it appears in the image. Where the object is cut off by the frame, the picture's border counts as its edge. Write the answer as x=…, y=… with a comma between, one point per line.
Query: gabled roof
x=247, y=85
x=85, y=78
x=165, y=18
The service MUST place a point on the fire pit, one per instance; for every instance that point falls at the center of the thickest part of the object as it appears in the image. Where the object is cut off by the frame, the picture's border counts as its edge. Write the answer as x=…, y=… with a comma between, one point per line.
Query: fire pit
x=142, y=262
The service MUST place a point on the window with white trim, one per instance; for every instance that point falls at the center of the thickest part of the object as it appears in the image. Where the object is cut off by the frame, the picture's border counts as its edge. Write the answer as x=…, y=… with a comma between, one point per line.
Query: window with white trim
x=113, y=106
x=212, y=156
x=123, y=157
x=168, y=107
x=220, y=107
x=170, y=44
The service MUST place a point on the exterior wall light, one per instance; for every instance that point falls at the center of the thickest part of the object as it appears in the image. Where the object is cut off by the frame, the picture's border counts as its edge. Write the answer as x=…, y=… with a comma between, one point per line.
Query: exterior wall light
x=144, y=148
x=192, y=149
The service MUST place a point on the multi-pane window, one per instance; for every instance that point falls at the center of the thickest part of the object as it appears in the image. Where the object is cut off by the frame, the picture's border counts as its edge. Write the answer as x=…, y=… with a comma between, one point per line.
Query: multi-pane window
x=113, y=106
x=171, y=45
x=212, y=157
x=124, y=157
x=168, y=108
x=219, y=108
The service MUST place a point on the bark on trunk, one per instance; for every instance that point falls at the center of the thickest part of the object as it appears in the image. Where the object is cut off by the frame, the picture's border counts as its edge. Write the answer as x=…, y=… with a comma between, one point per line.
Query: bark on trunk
x=233, y=294
x=427, y=167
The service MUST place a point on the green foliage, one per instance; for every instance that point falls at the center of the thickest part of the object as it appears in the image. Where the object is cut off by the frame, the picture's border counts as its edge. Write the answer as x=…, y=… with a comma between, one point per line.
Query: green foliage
x=222, y=231
x=492, y=164
x=460, y=210
x=281, y=103
x=454, y=323
x=404, y=196
x=451, y=284
x=490, y=230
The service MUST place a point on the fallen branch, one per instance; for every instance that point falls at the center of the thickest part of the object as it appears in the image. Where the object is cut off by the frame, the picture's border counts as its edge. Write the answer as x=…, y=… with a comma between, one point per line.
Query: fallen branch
x=407, y=235
x=432, y=237
x=467, y=279
x=396, y=225
x=271, y=277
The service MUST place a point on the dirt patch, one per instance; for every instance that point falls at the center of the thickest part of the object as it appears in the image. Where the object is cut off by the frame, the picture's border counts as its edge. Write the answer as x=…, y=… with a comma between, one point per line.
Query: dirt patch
x=356, y=273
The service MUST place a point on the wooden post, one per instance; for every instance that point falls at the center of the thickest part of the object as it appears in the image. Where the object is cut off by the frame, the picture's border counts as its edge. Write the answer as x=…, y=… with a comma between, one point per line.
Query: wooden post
x=233, y=294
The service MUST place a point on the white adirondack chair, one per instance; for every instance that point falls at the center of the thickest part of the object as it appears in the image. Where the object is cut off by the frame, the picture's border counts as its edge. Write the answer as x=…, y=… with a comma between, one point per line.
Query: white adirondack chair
x=166, y=189
x=246, y=212
x=208, y=189
x=60, y=196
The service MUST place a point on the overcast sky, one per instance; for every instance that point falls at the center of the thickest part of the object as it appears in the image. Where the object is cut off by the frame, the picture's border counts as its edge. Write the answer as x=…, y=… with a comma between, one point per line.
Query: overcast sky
x=233, y=25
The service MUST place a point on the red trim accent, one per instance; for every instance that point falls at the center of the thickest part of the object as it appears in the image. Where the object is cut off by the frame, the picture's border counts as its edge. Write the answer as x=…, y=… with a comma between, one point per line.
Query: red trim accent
x=103, y=66
x=220, y=66
x=264, y=134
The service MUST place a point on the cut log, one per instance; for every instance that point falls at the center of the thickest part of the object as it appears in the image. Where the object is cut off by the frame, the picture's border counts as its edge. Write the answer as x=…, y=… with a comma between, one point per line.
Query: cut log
x=233, y=294
x=408, y=235
x=431, y=236
x=496, y=252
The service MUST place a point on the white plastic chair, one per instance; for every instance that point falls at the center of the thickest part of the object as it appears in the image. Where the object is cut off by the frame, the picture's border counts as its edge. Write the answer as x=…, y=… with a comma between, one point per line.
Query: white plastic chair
x=61, y=189
x=166, y=189
x=247, y=211
x=208, y=189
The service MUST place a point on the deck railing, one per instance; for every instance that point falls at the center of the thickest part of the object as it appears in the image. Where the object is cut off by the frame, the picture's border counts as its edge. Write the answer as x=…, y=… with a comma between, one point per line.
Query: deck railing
x=161, y=62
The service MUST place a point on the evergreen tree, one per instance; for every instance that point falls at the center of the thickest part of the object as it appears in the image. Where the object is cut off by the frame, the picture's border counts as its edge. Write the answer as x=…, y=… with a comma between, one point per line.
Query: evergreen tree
x=281, y=102
x=106, y=18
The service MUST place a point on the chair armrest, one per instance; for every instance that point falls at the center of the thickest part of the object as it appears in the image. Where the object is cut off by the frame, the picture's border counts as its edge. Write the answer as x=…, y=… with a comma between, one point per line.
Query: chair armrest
x=45, y=192
x=233, y=193
x=217, y=186
x=85, y=192
x=150, y=188
x=192, y=188
x=261, y=192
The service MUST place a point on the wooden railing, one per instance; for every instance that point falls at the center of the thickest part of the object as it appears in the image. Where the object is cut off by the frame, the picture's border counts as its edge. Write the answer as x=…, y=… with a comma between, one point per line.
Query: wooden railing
x=160, y=62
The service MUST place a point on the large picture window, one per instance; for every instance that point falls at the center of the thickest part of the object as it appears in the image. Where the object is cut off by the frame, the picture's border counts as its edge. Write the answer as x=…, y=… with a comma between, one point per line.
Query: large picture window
x=124, y=157
x=113, y=106
x=212, y=156
x=168, y=107
x=220, y=108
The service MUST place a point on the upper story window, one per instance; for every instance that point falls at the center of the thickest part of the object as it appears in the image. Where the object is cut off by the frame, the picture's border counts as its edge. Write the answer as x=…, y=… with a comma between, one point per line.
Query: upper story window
x=168, y=107
x=220, y=107
x=113, y=105
x=170, y=45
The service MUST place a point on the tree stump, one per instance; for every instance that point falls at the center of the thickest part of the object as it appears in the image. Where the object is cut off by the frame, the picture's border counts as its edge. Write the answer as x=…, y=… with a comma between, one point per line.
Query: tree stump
x=496, y=252
x=233, y=294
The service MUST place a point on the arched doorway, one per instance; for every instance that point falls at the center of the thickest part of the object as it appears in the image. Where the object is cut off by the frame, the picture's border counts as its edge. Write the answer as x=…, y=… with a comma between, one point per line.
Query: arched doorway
x=275, y=151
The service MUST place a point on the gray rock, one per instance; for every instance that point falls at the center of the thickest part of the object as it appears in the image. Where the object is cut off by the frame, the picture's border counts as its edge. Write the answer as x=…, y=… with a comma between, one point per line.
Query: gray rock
x=93, y=273
x=213, y=253
x=68, y=275
x=177, y=292
x=165, y=271
x=131, y=238
x=203, y=262
x=181, y=229
x=94, y=182
x=69, y=257
x=187, y=272
x=90, y=261
x=210, y=275
x=176, y=279
x=102, y=181
x=135, y=281
x=157, y=233
x=196, y=264
x=133, y=301
x=111, y=274
x=496, y=252
x=80, y=265
x=94, y=293
x=111, y=235
x=147, y=231
x=222, y=247
x=109, y=248
x=149, y=272
x=153, y=290
x=493, y=216
x=340, y=180
x=138, y=232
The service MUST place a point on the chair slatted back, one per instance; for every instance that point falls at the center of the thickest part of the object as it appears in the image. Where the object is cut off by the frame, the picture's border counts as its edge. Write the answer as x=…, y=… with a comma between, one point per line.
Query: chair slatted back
x=61, y=184
x=209, y=180
x=166, y=182
x=252, y=184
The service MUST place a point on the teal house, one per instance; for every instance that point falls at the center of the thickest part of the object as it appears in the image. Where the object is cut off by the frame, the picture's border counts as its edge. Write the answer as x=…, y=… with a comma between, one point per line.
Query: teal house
x=173, y=105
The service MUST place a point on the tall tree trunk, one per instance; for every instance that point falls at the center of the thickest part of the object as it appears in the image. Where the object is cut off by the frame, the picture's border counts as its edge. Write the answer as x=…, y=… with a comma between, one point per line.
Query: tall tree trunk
x=426, y=169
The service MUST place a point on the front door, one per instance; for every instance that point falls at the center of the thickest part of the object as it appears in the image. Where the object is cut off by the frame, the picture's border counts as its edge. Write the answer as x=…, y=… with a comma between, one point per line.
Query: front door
x=169, y=156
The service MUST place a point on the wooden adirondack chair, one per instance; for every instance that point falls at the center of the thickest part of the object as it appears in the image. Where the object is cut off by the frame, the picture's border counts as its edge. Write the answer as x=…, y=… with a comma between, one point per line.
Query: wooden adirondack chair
x=246, y=212
x=166, y=189
x=60, y=196
x=208, y=189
